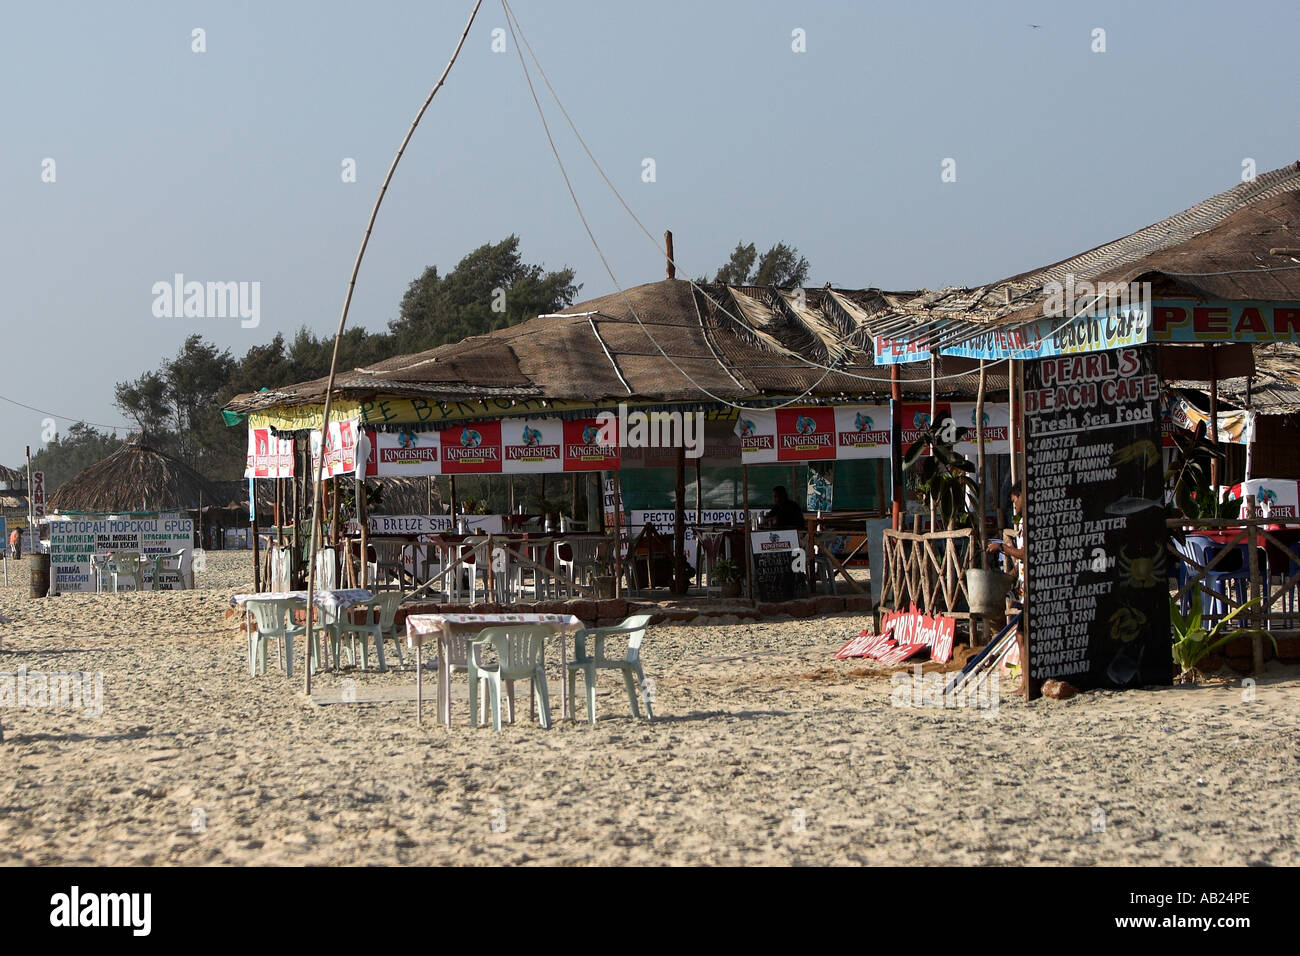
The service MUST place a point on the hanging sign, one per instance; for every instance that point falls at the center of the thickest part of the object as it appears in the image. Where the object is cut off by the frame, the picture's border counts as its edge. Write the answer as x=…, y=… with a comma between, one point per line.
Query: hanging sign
x=590, y=447
x=340, y=449
x=402, y=453
x=471, y=449
x=1236, y=427
x=38, y=494
x=268, y=455
x=814, y=433
x=1096, y=567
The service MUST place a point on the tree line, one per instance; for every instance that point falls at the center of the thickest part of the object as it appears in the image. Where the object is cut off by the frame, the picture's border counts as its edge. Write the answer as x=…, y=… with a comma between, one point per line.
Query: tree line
x=177, y=407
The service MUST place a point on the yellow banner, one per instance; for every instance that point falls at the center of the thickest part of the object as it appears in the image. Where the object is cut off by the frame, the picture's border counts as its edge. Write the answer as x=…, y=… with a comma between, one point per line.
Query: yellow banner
x=405, y=411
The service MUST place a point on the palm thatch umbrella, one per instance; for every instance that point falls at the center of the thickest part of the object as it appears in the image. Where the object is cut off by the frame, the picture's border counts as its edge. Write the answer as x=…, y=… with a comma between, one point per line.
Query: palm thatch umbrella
x=135, y=478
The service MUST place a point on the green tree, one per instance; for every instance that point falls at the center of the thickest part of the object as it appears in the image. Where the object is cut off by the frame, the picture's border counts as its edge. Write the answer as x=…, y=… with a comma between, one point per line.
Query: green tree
x=491, y=288
x=780, y=266
x=72, y=453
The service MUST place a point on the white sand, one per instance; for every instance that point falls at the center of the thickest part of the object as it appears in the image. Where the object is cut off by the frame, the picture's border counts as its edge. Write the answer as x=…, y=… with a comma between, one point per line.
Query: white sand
x=759, y=731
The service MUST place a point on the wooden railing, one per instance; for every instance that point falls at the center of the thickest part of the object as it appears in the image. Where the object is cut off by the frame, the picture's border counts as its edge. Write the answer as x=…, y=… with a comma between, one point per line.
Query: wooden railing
x=928, y=570
x=1270, y=572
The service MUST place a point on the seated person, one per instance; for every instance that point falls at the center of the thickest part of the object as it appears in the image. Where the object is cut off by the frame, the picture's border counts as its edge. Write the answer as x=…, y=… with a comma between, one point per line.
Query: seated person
x=785, y=514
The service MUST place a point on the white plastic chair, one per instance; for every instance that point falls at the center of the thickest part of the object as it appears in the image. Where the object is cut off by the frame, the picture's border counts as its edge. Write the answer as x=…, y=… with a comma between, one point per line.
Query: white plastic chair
x=521, y=653
x=274, y=618
x=378, y=619
x=629, y=665
x=584, y=556
x=124, y=564
x=173, y=564
x=458, y=651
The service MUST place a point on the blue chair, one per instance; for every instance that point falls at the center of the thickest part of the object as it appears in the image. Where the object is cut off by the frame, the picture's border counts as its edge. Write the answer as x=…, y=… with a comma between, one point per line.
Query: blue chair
x=1233, y=570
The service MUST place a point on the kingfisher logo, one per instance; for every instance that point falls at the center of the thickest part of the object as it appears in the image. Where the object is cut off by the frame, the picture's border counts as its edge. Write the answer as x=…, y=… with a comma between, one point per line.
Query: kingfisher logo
x=471, y=454
x=532, y=452
x=747, y=428
x=808, y=440
x=756, y=443
x=774, y=542
x=407, y=456
x=469, y=438
x=863, y=439
x=589, y=452
x=862, y=423
x=805, y=425
x=407, y=440
x=532, y=437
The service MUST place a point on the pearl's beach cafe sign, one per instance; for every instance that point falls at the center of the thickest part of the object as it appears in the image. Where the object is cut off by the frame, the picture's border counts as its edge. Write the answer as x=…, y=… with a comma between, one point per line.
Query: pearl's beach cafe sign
x=1169, y=321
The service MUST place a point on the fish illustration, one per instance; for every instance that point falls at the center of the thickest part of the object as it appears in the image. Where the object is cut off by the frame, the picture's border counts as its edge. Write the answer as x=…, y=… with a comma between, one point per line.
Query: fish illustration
x=406, y=439
x=589, y=435
x=469, y=438
x=805, y=425
x=747, y=428
x=921, y=420
x=862, y=423
x=532, y=436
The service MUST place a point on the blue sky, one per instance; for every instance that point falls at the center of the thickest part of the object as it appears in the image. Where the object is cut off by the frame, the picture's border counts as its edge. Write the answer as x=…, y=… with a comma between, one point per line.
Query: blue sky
x=225, y=165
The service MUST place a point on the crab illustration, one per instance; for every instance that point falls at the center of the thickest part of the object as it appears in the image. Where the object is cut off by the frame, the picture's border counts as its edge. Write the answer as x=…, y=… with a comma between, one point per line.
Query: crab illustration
x=1126, y=624
x=1142, y=571
x=1144, y=451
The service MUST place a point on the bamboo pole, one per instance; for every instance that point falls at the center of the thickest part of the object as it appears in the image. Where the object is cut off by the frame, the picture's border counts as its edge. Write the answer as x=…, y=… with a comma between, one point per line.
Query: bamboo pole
x=618, y=534
x=749, y=557
x=896, y=463
x=679, y=522
x=980, y=515
x=343, y=318
x=1214, y=421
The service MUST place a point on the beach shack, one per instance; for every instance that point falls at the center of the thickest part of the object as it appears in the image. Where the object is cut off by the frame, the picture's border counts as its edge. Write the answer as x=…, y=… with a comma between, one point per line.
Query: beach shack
x=1103, y=349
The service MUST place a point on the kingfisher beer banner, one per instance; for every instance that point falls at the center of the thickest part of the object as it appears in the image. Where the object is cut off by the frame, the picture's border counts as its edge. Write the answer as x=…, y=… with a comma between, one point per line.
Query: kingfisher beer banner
x=509, y=447
x=268, y=456
x=816, y=433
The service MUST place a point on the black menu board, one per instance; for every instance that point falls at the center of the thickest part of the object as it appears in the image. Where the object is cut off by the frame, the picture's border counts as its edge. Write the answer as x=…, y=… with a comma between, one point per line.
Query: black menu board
x=1096, y=569
x=775, y=578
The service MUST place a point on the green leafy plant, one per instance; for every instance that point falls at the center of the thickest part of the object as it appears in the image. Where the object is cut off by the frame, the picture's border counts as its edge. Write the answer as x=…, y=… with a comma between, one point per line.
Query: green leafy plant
x=1193, y=643
x=725, y=570
x=1189, y=477
x=945, y=479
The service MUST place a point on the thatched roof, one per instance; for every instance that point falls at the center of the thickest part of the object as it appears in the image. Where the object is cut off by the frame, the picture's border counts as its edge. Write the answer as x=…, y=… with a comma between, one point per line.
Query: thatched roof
x=13, y=477
x=725, y=342
x=1217, y=249
x=135, y=478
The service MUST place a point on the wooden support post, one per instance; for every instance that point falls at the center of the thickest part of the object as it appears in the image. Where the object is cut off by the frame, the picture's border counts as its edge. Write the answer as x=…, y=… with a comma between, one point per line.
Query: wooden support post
x=1256, y=640
x=257, y=551
x=452, y=482
x=1214, y=421
x=749, y=557
x=618, y=534
x=896, y=462
x=679, y=523
x=363, y=519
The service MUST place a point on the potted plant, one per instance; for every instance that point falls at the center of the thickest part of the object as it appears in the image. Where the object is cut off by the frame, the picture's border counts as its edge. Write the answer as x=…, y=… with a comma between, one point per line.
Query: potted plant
x=946, y=482
x=727, y=573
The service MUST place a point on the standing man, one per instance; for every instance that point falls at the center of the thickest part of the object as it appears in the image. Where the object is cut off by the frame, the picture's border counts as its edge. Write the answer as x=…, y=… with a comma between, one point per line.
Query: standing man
x=16, y=543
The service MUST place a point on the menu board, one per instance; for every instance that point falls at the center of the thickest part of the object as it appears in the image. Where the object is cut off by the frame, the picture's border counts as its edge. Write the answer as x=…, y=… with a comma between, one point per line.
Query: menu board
x=775, y=576
x=1097, y=610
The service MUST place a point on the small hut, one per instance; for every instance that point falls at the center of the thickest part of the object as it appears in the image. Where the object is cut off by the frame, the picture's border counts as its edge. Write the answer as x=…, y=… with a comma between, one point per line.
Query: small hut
x=135, y=479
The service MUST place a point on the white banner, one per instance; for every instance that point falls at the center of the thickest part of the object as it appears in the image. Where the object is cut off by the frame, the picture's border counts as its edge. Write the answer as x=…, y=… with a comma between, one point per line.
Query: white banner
x=268, y=456
x=814, y=433
x=341, y=452
x=410, y=524
x=403, y=453
x=997, y=429
x=74, y=541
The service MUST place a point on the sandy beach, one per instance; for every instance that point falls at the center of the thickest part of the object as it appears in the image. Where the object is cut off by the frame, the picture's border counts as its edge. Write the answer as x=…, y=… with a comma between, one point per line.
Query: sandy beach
x=765, y=751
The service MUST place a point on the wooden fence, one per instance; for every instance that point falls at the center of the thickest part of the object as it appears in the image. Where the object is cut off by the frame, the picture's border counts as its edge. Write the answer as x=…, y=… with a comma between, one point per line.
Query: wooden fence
x=928, y=570
x=1227, y=562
